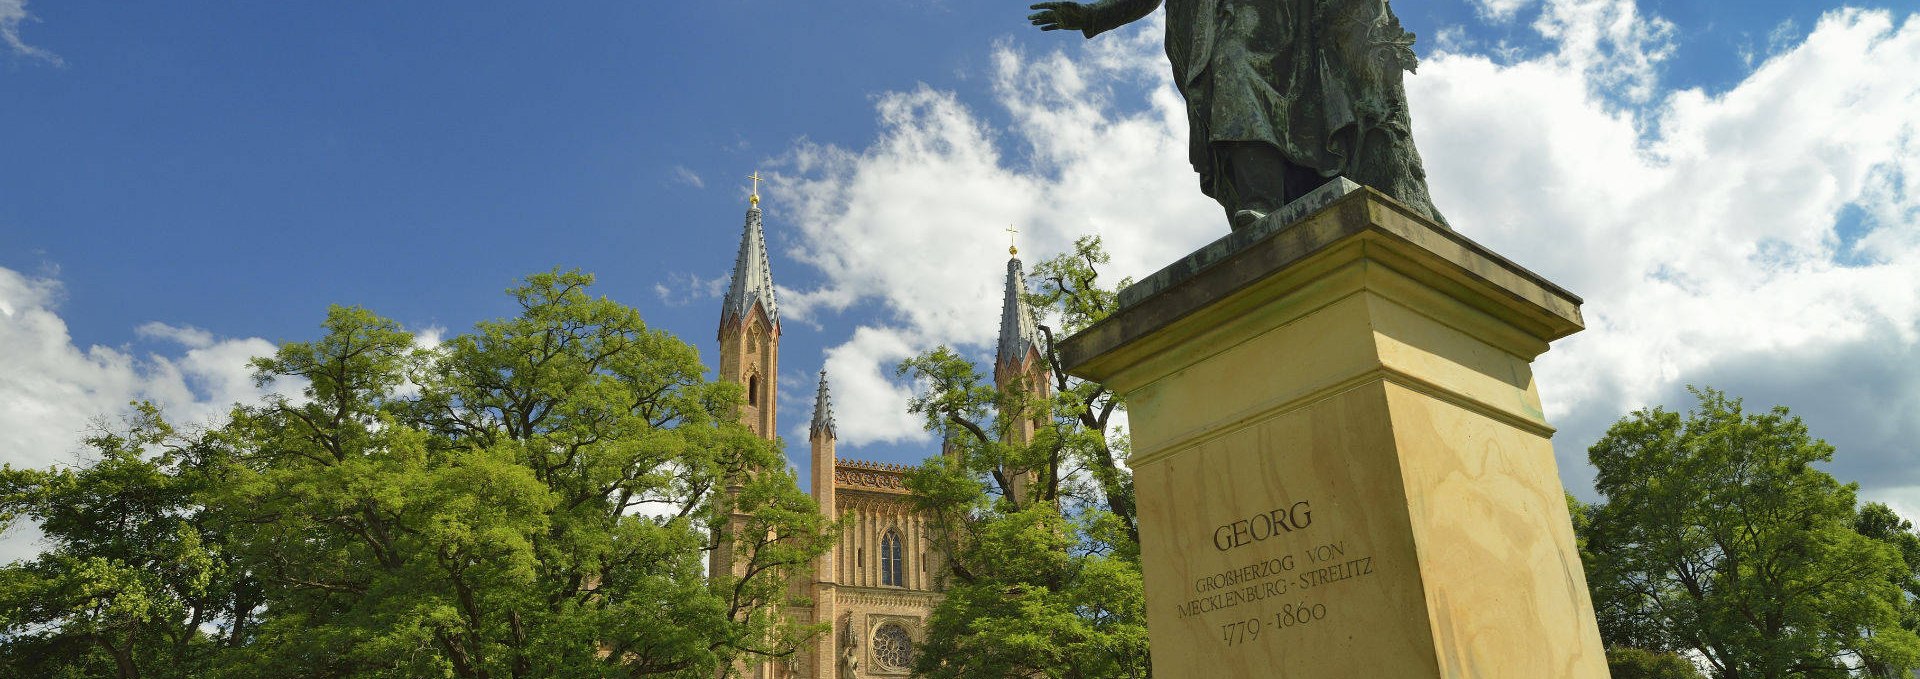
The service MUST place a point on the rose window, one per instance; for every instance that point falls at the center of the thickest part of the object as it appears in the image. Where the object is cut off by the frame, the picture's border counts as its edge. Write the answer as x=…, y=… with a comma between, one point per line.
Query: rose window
x=892, y=648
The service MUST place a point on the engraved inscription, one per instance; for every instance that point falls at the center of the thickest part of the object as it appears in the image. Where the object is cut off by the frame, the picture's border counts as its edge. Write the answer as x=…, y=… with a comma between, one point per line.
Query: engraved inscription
x=1279, y=521
x=1279, y=593
x=1334, y=566
x=1246, y=584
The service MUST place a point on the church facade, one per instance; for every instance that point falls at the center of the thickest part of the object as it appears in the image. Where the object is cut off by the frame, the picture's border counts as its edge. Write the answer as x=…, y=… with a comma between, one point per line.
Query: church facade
x=878, y=585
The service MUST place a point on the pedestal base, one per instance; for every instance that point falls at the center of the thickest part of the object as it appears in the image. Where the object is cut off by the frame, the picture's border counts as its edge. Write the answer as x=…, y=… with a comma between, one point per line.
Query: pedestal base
x=1341, y=463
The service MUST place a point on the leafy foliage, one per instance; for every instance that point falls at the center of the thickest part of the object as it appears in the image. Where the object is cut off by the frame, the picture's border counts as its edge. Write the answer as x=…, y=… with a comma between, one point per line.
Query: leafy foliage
x=534, y=498
x=134, y=574
x=1044, y=573
x=1879, y=522
x=1719, y=537
x=1635, y=663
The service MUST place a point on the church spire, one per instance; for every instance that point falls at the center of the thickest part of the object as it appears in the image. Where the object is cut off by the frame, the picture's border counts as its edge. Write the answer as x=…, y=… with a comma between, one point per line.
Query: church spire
x=1019, y=370
x=752, y=278
x=1018, y=333
x=750, y=330
x=823, y=410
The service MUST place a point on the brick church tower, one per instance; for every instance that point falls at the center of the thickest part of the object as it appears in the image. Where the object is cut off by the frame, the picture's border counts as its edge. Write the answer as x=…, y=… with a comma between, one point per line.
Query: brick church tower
x=1019, y=371
x=877, y=586
x=749, y=338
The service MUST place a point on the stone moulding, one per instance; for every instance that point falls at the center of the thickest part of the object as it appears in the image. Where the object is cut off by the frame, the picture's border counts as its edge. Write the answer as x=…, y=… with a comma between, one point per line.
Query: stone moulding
x=862, y=596
x=876, y=475
x=1208, y=279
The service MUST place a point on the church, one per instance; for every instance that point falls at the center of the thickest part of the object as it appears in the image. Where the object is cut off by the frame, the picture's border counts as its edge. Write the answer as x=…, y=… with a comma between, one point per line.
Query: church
x=879, y=584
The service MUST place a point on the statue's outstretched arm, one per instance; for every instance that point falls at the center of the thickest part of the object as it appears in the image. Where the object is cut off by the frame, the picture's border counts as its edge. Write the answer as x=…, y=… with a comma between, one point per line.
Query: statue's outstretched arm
x=1090, y=19
x=1107, y=15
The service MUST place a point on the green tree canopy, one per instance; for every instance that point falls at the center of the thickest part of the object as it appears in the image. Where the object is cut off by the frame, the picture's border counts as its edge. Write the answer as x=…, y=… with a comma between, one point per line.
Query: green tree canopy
x=1879, y=522
x=1634, y=663
x=1719, y=538
x=133, y=582
x=1045, y=581
x=533, y=498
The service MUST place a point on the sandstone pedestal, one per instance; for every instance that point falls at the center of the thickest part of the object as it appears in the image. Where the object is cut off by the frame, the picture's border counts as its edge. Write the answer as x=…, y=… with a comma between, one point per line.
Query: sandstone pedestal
x=1341, y=462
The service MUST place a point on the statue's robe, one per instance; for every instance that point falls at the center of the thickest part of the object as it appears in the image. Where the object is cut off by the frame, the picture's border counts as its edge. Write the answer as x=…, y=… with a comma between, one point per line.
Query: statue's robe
x=1321, y=80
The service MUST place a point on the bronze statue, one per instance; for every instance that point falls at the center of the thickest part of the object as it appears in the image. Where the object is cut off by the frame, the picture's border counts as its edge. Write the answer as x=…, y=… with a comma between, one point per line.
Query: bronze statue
x=1282, y=95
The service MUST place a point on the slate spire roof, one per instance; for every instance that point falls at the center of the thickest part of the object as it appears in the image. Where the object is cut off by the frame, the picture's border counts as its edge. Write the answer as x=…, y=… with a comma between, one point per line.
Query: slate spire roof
x=823, y=409
x=1018, y=333
x=752, y=278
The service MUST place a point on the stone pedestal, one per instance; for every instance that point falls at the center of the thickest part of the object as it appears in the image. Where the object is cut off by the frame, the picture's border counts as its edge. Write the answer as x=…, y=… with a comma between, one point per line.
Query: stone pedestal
x=1341, y=462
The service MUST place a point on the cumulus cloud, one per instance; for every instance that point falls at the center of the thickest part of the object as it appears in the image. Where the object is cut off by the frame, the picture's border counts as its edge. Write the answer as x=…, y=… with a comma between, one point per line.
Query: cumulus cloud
x=869, y=404
x=807, y=306
x=12, y=14
x=52, y=392
x=1608, y=42
x=1765, y=238
x=915, y=223
x=1735, y=238
x=51, y=389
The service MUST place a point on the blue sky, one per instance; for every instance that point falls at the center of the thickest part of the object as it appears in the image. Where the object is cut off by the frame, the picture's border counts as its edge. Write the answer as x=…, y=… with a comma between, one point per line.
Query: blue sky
x=236, y=167
x=183, y=183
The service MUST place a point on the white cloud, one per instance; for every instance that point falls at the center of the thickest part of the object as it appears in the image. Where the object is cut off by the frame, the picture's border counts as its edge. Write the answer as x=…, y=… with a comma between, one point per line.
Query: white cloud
x=429, y=337
x=689, y=177
x=1709, y=236
x=681, y=289
x=1765, y=238
x=869, y=405
x=1782, y=36
x=53, y=392
x=806, y=305
x=1499, y=10
x=1453, y=38
x=12, y=14
x=1609, y=42
x=192, y=338
x=915, y=222
x=1903, y=501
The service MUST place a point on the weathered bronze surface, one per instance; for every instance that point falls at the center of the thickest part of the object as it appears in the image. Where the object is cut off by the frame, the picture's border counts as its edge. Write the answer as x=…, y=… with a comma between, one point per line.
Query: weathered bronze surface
x=1282, y=95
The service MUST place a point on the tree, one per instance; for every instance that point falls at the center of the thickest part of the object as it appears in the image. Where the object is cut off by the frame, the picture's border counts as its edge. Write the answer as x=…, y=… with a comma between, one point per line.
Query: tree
x=535, y=498
x=1634, y=663
x=132, y=580
x=1720, y=539
x=1044, y=582
x=1879, y=522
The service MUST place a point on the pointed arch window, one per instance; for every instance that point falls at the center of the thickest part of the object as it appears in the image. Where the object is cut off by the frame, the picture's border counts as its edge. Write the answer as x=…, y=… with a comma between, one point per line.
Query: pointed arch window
x=753, y=390
x=893, y=562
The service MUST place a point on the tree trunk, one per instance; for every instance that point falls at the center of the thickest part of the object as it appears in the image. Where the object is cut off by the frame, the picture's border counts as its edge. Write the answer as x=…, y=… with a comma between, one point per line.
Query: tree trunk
x=124, y=668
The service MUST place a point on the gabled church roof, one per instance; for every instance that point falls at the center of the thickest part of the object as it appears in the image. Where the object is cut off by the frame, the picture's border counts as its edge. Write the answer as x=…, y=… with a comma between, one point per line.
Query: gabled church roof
x=1018, y=333
x=752, y=278
x=823, y=409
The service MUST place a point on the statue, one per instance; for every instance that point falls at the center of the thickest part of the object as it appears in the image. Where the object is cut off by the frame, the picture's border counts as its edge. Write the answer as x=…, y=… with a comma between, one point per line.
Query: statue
x=849, y=665
x=1282, y=95
x=849, y=662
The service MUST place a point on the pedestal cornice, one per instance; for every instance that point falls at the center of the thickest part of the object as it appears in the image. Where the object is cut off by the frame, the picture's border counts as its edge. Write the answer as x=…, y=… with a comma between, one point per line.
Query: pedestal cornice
x=1272, y=260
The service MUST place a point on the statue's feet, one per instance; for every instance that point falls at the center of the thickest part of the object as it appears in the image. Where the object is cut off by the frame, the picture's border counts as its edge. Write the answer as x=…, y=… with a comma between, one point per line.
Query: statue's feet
x=1245, y=218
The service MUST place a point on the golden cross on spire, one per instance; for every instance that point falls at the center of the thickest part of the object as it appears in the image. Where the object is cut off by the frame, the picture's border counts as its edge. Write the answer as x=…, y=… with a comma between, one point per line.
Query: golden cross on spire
x=756, y=187
x=1011, y=249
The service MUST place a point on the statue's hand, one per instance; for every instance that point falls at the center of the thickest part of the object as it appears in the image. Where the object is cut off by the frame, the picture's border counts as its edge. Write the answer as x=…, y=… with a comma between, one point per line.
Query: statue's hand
x=1059, y=16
